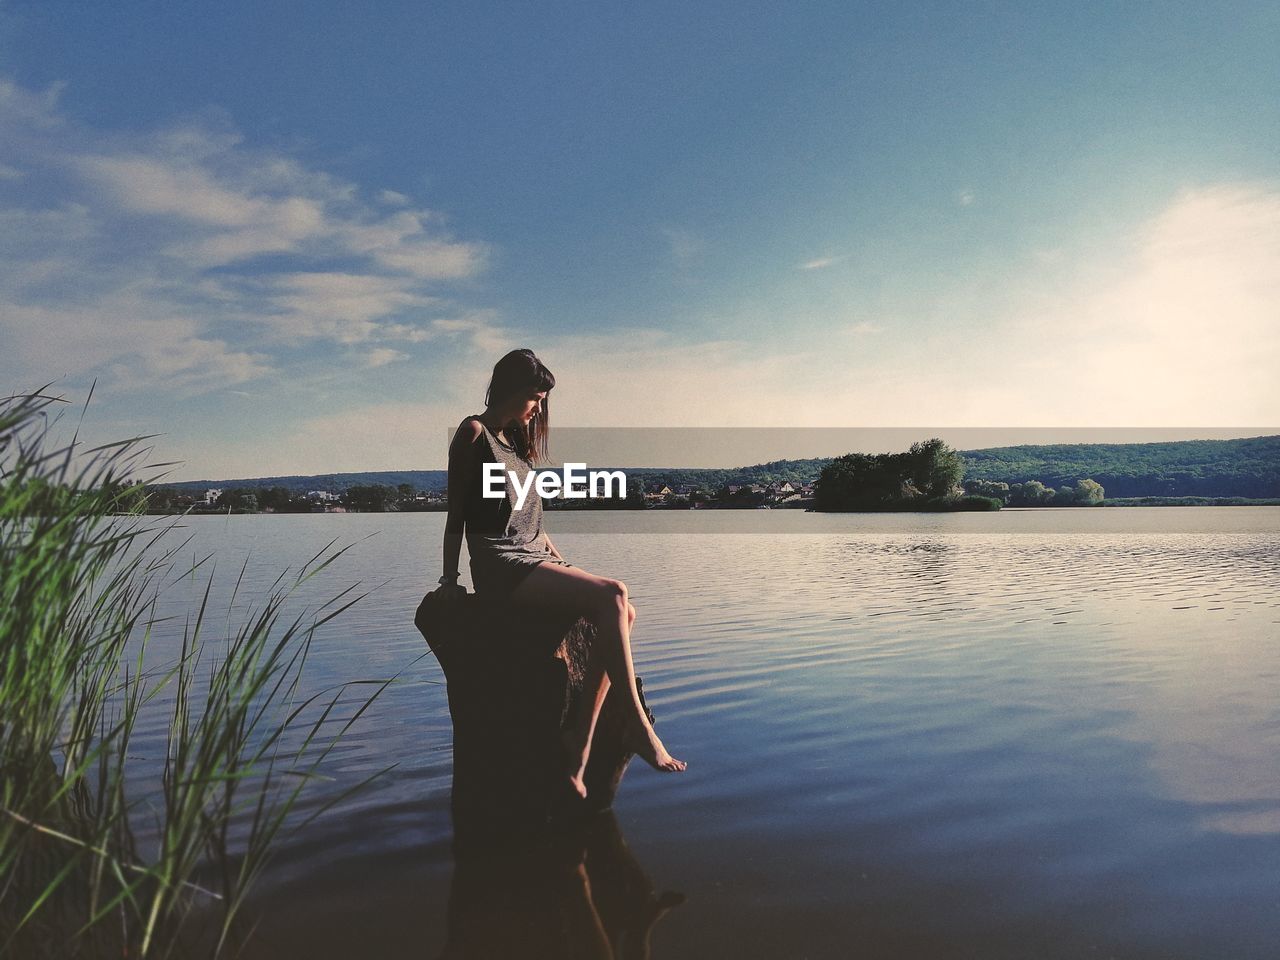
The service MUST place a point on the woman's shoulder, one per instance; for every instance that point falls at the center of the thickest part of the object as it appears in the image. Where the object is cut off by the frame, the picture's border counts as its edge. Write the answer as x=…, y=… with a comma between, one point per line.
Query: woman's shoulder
x=468, y=432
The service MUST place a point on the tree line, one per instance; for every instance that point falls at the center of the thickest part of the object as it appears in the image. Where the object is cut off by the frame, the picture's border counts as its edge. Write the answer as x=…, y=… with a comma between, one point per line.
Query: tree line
x=930, y=476
x=1247, y=467
x=365, y=498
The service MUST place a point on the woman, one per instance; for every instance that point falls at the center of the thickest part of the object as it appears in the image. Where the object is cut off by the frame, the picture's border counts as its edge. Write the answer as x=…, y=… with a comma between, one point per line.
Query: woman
x=513, y=559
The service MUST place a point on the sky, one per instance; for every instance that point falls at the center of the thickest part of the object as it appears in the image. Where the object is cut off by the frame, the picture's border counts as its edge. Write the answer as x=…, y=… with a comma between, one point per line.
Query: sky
x=295, y=237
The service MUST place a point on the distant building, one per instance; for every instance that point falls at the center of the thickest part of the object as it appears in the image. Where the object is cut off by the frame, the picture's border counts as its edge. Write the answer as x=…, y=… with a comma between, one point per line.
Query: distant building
x=660, y=493
x=211, y=496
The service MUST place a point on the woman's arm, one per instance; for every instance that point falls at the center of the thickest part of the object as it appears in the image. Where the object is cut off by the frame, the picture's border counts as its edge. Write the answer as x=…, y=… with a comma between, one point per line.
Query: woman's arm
x=461, y=459
x=551, y=546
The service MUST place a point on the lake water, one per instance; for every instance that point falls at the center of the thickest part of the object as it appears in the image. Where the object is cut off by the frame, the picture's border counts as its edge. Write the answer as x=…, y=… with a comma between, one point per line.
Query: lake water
x=1021, y=734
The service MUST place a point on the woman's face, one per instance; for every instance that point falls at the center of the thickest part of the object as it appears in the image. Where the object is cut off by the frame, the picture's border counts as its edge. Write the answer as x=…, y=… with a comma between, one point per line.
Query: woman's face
x=529, y=406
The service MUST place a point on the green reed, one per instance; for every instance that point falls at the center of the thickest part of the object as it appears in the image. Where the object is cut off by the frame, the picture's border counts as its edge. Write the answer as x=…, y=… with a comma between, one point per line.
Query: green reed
x=79, y=589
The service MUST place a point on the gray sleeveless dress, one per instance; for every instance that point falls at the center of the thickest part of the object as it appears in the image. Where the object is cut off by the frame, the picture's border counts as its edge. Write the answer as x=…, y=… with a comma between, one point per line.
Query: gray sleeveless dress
x=504, y=543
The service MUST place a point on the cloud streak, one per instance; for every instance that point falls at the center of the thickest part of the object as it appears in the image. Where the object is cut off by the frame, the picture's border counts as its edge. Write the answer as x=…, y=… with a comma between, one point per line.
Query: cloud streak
x=821, y=263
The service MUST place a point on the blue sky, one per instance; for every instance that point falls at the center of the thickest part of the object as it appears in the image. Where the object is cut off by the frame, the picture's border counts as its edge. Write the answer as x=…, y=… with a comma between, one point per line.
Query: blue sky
x=295, y=237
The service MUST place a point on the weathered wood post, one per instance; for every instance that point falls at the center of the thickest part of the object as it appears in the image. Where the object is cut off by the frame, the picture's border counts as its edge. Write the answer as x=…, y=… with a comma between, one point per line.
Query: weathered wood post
x=514, y=682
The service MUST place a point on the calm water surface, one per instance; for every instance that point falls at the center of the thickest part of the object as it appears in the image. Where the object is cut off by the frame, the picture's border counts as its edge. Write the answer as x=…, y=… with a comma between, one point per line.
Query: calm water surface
x=1022, y=734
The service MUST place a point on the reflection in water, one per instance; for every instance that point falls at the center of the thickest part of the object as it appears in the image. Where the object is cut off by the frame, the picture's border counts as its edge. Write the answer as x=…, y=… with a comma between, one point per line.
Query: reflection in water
x=1213, y=741
x=581, y=895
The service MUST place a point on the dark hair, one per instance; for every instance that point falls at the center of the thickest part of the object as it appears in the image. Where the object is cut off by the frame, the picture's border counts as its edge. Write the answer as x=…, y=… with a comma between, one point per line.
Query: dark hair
x=520, y=372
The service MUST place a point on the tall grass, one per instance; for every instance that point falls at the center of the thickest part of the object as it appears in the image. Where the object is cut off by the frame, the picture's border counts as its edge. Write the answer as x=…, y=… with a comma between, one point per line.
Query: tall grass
x=80, y=587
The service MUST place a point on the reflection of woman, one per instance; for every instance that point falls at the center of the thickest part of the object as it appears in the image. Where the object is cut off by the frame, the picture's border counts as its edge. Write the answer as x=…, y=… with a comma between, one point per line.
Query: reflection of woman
x=584, y=895
x=513, y=560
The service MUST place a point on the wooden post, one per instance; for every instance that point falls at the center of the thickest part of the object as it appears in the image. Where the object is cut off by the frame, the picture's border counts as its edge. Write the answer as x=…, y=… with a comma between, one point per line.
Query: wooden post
x=514, y=681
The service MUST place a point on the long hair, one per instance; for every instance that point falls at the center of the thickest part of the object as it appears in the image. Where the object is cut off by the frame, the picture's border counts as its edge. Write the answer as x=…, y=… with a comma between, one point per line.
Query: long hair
x=520, y=372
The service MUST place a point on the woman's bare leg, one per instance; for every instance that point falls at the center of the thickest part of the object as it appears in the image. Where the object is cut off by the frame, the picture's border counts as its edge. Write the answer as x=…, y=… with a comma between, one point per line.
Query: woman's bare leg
x=605, y=603
x=595, y=686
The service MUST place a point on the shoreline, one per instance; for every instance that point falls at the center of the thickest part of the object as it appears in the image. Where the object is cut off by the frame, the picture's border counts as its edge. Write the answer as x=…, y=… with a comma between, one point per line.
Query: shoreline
x=1143, y=502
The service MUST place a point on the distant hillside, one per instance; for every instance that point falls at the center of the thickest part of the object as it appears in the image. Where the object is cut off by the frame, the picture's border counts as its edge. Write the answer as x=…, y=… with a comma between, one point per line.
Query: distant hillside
x=1207, y=468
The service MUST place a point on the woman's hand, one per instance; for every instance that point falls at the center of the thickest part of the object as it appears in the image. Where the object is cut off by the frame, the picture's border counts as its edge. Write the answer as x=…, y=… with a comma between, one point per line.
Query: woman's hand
x=451, y=599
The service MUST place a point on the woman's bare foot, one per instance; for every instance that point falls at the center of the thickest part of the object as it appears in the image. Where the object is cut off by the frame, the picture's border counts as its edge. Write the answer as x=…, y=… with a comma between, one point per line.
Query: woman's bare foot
x=576, y=752
x=646, y=745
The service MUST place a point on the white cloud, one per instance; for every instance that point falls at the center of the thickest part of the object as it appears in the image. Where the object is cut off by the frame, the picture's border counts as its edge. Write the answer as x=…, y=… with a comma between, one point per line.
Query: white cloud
x=344, y=307
x=186, y=256
x=481, y=331
x=177, y=188
x=131, y=337
x=20, y=107
x=820, y=263
x=1185, y=329
x=381, y=356
x=242, y=204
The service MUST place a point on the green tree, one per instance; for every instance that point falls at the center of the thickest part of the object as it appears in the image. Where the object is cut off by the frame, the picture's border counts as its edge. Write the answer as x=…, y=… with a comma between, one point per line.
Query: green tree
x=853, y=481
x=160, y=499
x=987, y=488
x=1033, y=493
x=274, y=498
x=860, y=481
x=1089, y=492
x=373, y=498
x=238, y=498
x=934, y=468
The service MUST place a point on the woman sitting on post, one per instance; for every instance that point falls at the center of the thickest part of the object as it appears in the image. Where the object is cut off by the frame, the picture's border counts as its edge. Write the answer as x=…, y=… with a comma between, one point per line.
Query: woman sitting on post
x=513, y=560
